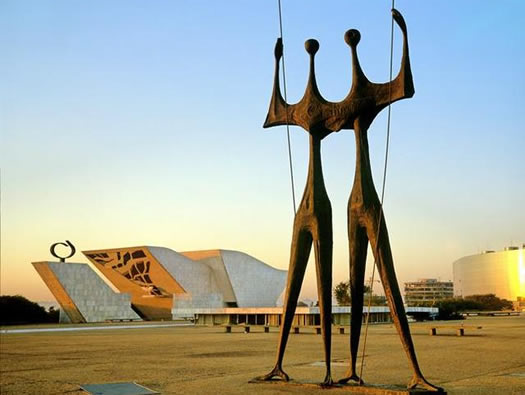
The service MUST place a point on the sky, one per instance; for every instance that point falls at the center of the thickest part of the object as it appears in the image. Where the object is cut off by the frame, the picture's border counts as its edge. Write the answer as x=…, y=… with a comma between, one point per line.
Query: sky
x=127, y=123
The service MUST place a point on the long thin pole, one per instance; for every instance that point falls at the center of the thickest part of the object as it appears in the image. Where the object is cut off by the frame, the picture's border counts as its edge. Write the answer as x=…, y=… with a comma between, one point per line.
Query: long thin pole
x=382, y=192
x=286, y=105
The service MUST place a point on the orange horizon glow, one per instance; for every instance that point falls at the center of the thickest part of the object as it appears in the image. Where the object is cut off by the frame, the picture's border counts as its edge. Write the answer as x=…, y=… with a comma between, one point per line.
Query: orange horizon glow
x=521, y=268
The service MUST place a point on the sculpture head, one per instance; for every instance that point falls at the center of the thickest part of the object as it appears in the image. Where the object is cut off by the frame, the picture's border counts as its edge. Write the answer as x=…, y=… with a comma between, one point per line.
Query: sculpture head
x=366, y=99
x=352, y=37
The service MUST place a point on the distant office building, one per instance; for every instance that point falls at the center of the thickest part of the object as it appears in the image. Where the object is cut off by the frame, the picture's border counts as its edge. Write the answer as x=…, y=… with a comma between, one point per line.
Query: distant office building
x=427, y=291
x=501, y=273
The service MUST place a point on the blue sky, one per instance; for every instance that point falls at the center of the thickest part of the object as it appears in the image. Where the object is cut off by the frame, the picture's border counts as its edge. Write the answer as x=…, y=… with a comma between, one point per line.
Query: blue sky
x=132, y=122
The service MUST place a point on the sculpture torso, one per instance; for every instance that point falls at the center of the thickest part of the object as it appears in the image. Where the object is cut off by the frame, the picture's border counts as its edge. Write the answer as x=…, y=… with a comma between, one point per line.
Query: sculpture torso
x=315, y=205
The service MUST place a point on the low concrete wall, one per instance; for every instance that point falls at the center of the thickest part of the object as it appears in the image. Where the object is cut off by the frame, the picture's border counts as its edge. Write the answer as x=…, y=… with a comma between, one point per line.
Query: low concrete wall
x=304, y=316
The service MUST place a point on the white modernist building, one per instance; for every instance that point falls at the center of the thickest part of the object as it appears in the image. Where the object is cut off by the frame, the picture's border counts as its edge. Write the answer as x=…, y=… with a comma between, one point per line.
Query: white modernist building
x=159, y=283
x=501, y=273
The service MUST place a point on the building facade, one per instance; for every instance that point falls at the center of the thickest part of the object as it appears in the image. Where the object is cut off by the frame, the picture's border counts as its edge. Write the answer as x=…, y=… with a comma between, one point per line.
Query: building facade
x=156, y=283
x=427, y=291
x=304, y=316
x=501, y=273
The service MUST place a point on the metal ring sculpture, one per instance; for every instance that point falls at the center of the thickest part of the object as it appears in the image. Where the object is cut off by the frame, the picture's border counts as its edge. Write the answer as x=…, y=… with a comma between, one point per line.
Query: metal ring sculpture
x=66, y=244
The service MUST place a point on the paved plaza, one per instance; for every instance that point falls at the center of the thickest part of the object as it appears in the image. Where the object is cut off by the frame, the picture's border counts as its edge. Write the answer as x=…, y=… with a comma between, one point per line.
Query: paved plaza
x=200, y=360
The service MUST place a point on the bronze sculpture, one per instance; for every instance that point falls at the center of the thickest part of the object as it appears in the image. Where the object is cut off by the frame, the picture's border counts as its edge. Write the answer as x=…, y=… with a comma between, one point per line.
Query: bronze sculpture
x=313, y=220
x=365, y=218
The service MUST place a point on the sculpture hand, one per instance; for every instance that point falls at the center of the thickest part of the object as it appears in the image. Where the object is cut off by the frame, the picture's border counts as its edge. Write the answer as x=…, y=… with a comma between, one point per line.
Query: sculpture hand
x=278, y=51
x=399, y=20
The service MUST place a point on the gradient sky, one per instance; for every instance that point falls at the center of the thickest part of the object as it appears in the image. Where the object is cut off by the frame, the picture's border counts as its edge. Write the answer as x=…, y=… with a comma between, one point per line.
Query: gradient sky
x=130, y=123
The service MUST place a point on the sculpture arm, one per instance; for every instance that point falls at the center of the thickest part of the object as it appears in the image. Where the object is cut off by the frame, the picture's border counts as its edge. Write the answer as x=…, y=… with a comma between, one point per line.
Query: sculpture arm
x=402, y=86
x=278, y=107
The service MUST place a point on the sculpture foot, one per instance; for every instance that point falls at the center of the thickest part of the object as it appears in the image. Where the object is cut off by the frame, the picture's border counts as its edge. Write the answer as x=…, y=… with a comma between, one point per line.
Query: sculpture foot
x=351, y=377
x=328, y=382
x=419, y=381
x=276, y=372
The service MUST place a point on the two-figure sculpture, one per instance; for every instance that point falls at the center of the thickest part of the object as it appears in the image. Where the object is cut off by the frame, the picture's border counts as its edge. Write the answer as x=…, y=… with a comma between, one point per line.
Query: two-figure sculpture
x=313, y=220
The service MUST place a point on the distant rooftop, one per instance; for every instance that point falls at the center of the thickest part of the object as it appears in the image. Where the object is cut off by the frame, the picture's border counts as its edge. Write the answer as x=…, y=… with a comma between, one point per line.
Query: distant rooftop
x=506, y=248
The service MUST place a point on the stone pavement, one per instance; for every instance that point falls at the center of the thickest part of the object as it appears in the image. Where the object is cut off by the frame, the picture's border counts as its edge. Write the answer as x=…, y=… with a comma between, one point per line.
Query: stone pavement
x=201, y=360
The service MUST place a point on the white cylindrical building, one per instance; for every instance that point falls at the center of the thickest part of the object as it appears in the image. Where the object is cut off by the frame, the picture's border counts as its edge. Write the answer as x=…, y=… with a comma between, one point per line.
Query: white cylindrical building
x=501, y=273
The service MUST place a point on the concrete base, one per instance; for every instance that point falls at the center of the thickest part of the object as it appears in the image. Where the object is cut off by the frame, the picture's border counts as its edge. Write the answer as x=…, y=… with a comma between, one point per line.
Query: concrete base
x=377, y=389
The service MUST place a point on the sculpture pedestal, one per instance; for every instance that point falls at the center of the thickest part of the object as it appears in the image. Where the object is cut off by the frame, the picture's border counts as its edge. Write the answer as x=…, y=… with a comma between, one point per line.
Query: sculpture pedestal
x=377, y=389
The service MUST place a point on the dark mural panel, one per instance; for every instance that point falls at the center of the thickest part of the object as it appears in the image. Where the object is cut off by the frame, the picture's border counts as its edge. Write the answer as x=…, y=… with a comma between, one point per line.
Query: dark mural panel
x=133, y=265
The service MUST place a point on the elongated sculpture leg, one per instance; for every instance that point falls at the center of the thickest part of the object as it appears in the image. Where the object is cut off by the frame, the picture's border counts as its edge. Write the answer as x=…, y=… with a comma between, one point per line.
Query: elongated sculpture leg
x=323, y=265
x=301, y=247
x=358, y=250
x=385, y=265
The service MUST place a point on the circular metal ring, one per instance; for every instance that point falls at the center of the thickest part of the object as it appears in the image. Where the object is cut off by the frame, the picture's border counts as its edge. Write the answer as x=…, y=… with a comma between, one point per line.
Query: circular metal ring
x=66, y=244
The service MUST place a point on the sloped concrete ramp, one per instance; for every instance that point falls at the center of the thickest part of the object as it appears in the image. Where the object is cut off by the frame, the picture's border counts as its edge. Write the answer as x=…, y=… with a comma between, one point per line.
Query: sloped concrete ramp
x=83, y=296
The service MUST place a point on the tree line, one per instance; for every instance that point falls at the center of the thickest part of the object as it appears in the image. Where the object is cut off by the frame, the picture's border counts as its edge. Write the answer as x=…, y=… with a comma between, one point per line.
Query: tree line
x=17, y=310
x=450, y=308
x=342, y=295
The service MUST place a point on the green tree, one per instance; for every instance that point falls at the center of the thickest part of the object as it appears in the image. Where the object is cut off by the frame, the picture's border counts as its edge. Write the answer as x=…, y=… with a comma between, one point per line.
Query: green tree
x=490, y=302
x=53, y=314
x=342, y=294
x=451, y=309
x=377, y=300
x=18, y=310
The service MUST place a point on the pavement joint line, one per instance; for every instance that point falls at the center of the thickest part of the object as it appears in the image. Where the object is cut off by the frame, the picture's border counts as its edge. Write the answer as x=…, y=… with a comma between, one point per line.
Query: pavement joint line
x=90, y=328
x=485, y=374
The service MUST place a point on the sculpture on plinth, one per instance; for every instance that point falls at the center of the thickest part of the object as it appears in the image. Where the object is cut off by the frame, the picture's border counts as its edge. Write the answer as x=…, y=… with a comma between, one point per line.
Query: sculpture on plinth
x=313, y=222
